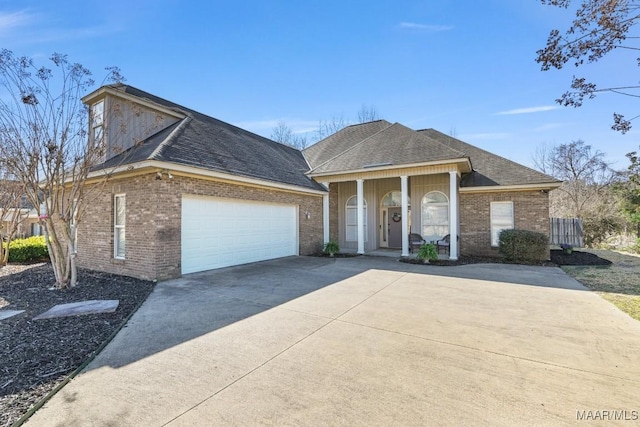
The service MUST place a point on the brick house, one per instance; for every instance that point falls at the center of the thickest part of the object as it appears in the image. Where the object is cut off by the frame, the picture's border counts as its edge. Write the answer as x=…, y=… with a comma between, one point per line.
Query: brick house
x=189, y=193
x=425, y=182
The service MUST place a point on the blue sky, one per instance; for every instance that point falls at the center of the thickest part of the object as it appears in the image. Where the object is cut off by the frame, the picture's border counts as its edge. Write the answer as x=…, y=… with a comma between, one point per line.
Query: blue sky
x=464, y=68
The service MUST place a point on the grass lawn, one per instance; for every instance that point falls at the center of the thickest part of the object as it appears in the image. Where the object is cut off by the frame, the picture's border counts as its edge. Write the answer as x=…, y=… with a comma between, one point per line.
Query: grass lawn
x=618, y=283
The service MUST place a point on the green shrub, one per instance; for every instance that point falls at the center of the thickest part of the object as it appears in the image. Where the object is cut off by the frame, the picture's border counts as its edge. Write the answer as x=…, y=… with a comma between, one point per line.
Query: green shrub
x=30, y=249
x=524, y=245
x=427, y=252
x=331, y=248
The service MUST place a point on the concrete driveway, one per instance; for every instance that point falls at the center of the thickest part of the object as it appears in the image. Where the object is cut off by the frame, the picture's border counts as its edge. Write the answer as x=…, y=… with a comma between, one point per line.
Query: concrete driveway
x=362, y=341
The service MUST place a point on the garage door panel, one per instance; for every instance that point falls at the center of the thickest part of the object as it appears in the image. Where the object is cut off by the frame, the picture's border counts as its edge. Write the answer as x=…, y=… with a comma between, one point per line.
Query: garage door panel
x=223, y=232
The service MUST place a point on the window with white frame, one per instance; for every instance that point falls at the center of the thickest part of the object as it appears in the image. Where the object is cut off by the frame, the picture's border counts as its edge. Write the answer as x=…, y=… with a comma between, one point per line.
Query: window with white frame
x=501, y=219
x=352, y=219
x=119, y=222
x=97, y=123
x=435, y=216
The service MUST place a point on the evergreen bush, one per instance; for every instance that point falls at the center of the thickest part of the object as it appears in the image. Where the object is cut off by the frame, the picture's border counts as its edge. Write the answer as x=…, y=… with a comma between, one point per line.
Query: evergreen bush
x=30, y=249
x=524, y=246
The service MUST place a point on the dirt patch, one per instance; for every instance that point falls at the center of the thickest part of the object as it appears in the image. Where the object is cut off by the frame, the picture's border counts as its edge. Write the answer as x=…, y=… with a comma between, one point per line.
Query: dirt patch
x=37, y=355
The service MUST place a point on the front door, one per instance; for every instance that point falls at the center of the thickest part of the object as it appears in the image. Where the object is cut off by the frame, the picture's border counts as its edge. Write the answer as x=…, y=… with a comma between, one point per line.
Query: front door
x=394, y=218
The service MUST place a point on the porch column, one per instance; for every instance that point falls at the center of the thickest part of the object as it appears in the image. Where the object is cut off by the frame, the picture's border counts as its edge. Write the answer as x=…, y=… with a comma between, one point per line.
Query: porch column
x=325, y=214
x=453, y=215
x=360, y=213
x=404, y=189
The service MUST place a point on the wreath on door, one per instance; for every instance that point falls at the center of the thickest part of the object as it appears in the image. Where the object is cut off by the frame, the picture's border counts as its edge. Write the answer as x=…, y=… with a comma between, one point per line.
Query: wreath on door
x=396, y=217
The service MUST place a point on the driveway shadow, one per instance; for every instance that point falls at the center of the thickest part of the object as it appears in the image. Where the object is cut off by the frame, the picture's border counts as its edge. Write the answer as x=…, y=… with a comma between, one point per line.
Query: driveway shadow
x=196, y=304
x=183, y=309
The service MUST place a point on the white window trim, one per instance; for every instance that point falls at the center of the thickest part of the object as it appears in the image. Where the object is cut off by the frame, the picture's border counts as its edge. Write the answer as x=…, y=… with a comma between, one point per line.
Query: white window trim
x=346, y=222
x=117, y=226
x=95, y=124
x=435, y=204
x=398, y=205
x=501, y=226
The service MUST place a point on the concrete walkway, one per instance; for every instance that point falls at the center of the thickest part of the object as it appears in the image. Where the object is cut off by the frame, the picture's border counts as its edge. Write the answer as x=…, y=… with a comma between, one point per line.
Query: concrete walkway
x=362, y=341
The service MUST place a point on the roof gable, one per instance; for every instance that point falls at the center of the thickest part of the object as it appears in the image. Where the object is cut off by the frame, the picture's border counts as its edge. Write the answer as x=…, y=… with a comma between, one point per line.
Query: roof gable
x=341, y=141
x=394, y=145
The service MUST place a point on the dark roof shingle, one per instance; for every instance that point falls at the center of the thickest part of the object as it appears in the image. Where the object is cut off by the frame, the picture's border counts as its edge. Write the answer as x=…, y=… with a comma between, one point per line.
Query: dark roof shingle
x=341, y=141
x=394, y=145
x=208, y=143
x=202, y=141
x=490, y=169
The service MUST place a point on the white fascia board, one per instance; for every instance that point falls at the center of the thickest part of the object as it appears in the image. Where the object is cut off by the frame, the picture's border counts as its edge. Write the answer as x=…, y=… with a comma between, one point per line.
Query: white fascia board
x=175, y=167
x=463, y=160
x=520, y=187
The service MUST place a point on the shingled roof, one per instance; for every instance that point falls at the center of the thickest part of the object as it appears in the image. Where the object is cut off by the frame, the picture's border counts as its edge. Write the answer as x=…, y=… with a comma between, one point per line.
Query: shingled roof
x=490, y=169
x=381, y=143
x=341, y=141
x=202, y=141
x=395, y=144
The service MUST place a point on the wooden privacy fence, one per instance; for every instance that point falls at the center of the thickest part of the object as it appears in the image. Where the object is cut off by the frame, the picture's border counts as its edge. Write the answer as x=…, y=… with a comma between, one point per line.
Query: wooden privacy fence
x=566, y=230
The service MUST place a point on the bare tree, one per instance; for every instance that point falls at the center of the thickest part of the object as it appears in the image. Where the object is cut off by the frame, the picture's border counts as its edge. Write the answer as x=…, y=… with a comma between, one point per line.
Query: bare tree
x=283, y=134
x=331, y=126
x=599, y=26
x=368, y=114
x=44, y=141
x=586, y=192
x=574, y=161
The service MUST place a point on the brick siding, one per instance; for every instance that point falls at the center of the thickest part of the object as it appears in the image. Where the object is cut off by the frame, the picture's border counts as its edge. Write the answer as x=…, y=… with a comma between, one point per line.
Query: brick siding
x=153, y=222
x=531, y=212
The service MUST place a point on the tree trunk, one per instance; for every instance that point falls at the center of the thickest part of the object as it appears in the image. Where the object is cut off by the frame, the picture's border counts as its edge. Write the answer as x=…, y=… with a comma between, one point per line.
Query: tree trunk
x=16, y=219
x=4, y=253
x=60, y=246
x=4, y=260
x=72, y=262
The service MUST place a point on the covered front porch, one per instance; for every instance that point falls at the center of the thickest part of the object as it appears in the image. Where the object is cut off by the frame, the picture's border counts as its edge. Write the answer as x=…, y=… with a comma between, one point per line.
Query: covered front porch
x=374, y=212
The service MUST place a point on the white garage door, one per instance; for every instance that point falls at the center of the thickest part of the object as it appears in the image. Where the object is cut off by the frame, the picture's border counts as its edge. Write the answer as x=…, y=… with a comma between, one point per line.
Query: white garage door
x=223, y=232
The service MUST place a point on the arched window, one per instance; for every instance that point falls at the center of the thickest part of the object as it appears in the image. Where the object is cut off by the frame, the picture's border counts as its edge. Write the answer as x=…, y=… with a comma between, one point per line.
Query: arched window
x=351, y=220
x=435, y=216
x=393, y=199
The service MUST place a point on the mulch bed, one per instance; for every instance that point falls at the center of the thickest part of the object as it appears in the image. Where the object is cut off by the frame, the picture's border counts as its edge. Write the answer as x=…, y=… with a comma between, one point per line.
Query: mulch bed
x=37, y=355
x=476, y=259
x=577, y=258
x=338, y=255
x=557, y=258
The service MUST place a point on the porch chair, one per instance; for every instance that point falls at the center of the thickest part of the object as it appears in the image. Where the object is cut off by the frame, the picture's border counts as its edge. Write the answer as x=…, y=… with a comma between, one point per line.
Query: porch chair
x=415, y=241
x=445, y=242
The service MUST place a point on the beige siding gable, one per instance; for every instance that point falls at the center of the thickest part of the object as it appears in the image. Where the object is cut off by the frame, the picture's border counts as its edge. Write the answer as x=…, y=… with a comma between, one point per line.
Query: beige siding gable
x=127, y=123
